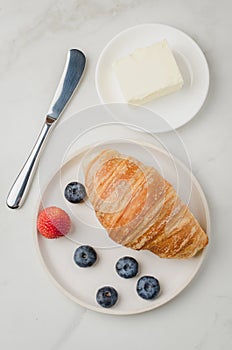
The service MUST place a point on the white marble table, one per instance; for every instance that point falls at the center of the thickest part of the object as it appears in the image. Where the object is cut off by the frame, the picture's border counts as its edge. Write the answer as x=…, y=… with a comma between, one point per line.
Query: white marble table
x=34, y=37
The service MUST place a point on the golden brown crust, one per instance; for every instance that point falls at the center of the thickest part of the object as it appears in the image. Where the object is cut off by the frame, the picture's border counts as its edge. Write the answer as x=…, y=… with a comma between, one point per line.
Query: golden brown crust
x=140, y=209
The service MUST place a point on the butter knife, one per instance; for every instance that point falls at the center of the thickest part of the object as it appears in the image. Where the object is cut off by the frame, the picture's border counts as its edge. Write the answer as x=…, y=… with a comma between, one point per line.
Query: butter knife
x=70, y=78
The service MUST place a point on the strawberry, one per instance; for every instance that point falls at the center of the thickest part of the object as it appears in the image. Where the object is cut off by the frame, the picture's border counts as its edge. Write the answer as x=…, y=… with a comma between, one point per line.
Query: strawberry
x=53, y=222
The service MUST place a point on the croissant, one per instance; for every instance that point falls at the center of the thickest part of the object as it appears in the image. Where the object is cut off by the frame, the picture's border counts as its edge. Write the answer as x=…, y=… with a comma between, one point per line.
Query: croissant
x=139, y=208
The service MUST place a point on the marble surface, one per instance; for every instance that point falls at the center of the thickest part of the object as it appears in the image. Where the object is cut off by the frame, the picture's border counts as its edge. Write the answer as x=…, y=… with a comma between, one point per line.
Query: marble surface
x=34, y=36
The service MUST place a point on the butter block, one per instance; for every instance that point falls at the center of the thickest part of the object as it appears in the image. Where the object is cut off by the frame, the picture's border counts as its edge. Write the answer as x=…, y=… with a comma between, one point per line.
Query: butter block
x=148, y=73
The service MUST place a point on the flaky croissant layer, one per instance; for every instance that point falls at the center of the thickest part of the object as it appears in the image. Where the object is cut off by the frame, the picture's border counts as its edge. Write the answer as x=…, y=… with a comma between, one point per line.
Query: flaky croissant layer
x=140, y=209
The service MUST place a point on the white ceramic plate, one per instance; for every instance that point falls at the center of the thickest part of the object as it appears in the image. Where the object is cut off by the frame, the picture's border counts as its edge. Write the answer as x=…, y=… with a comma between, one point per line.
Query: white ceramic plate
x=177, y=108
x=81, y=284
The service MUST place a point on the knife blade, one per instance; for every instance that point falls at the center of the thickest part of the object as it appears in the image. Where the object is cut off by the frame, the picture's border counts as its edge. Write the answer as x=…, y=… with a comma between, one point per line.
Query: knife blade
x=73, y=71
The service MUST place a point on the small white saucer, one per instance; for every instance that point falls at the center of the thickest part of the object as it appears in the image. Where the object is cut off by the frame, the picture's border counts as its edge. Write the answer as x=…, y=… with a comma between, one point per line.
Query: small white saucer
x=177, y=108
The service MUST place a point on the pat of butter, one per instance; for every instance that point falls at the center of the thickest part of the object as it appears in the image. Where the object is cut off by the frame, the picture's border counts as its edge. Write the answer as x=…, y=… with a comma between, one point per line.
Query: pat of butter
x=148, y=73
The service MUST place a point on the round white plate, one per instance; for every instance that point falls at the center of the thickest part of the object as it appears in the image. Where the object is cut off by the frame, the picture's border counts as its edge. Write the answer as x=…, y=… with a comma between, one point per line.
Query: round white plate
x=177, y=108
x=81, y=284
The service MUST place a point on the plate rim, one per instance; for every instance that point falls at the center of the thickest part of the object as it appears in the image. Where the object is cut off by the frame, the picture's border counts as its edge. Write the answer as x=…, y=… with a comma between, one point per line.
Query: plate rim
x=114, y=311
x=150, y=24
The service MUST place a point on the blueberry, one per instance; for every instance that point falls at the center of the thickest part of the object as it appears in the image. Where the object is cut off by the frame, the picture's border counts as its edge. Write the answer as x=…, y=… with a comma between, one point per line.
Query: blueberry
x=75, y=192
x=106, y=296
x=85, y=256
x=127, y=267
x=148, y=287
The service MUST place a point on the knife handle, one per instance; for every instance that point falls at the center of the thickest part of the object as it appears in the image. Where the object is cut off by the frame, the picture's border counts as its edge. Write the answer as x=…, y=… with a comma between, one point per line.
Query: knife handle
x=22, y=183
